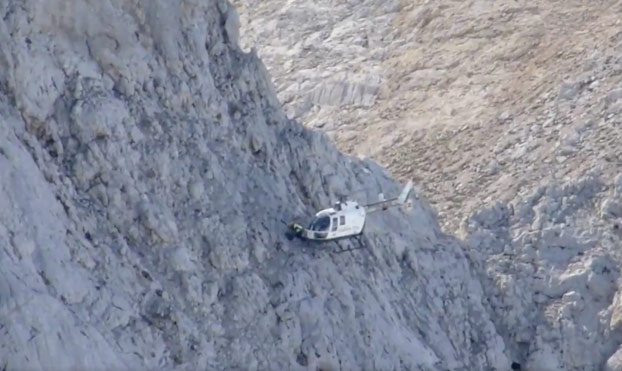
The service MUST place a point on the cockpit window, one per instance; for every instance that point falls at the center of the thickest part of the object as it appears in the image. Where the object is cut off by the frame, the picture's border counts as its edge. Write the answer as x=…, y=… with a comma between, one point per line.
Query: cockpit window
x=321, y=223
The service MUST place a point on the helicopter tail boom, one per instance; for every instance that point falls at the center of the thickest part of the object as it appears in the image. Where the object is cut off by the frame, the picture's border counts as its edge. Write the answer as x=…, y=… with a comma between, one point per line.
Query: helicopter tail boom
x=397, y=201
x=405, y=192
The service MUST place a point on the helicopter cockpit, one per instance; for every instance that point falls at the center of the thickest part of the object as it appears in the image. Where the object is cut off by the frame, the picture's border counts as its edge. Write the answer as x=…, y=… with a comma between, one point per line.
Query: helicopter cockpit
x=320, y=223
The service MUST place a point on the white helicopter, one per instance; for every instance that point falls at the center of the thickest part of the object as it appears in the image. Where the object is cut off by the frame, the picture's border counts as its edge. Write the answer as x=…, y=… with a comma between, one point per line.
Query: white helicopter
x=344, y=219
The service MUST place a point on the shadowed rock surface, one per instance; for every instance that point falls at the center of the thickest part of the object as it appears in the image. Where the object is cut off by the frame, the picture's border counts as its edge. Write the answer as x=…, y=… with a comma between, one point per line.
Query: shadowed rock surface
x=145, y=166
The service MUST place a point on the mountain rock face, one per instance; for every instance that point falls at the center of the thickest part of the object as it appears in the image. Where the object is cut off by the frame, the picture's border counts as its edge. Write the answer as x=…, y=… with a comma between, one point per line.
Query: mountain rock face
x=507, y=114
x=145, y=169
x=476, y=101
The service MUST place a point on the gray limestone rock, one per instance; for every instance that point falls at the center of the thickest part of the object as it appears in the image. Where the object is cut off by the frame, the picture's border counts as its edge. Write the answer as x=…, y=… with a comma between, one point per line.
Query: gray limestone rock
x=611, y=209
x=550, y=269
x=145, y=168
x=145, y=171
x=553, y=279
x=613, y=96
x=614, y=363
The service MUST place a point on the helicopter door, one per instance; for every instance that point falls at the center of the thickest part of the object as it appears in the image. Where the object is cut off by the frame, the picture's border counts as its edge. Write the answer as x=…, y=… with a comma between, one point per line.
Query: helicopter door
x=335, y=224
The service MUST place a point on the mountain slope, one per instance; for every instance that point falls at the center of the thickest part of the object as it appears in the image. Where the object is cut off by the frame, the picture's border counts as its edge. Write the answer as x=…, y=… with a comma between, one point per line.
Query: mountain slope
x=507, y=114
x=447, y=92
x=145, y=169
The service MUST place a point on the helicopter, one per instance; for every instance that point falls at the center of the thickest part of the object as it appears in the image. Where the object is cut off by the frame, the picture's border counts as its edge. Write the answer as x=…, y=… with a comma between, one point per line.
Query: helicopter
x=345, y=219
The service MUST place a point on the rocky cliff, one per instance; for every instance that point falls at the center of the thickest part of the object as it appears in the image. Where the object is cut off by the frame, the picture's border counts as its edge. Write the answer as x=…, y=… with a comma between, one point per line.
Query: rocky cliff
x=145, y=167
x=508, y=116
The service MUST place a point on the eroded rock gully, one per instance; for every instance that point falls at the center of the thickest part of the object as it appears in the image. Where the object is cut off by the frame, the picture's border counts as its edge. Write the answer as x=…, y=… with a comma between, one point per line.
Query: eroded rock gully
x=145, y=167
